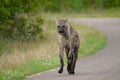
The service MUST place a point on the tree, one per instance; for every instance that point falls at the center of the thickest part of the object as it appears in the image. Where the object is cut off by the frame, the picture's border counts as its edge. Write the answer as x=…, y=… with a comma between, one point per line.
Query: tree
x=13, y=22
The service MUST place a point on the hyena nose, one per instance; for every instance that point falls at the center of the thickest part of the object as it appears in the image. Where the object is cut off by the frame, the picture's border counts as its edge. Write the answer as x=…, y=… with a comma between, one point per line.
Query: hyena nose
x=60, y=31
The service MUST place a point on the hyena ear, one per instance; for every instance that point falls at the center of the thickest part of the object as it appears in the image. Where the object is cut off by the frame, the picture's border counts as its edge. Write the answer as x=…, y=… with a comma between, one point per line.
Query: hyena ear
x=56, y=19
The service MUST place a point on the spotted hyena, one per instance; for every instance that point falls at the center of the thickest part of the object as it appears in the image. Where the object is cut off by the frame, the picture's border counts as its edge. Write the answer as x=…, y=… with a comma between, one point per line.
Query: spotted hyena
x=68, y=40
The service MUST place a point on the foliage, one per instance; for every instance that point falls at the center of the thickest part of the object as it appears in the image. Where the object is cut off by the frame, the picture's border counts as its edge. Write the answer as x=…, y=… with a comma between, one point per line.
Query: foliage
x=16, y=22
x=9, y=8
x=23, y=28
x=11, y=75
x=76, y=5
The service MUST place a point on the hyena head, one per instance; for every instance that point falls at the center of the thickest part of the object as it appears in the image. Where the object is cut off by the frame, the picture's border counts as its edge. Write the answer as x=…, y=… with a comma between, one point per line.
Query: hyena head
x=62, y=27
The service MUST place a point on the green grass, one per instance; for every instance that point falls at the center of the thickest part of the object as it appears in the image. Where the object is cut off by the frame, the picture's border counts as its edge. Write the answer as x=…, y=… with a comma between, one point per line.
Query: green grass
x=45, y=56
x=113, y=12
x=39, y=65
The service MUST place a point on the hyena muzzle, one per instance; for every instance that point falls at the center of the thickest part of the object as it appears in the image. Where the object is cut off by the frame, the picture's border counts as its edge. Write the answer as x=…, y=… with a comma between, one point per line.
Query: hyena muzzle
x=68, y=40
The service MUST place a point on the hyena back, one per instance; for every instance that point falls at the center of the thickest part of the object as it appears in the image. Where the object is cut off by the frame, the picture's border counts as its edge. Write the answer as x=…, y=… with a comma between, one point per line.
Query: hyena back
x=68, y=40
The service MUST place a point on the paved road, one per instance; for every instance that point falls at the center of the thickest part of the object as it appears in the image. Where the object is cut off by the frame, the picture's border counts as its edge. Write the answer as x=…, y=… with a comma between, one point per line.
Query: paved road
x=104, y=65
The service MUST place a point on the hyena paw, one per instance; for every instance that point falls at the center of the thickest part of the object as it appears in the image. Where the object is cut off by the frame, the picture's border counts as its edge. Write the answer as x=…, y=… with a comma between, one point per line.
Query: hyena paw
x=71, y=72
x=68, y=69
x=60, y=70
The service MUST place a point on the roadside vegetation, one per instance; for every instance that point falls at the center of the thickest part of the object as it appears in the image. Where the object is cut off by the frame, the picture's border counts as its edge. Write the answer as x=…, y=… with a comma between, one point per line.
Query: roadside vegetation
x=107, y=13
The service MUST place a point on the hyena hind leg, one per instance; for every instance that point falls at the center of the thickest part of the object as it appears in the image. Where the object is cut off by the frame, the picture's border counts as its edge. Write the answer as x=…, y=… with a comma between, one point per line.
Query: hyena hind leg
x=69, y=68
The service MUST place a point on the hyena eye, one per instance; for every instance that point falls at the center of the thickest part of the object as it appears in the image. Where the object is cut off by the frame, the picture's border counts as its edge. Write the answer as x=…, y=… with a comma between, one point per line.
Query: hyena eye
x=63, y=26
x=58, y=26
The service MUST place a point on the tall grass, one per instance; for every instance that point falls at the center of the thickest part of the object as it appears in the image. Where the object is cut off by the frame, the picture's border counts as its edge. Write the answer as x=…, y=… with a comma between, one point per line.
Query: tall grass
x=32, y=57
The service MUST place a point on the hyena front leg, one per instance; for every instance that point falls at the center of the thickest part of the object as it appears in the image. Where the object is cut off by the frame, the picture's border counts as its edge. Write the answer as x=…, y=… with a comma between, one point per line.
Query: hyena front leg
x=61, y=54
x=70, y=60
x=75, y=55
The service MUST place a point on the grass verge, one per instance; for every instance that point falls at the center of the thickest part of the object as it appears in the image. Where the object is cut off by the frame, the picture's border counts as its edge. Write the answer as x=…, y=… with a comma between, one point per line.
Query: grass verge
x=44, y=55
x=113, y=13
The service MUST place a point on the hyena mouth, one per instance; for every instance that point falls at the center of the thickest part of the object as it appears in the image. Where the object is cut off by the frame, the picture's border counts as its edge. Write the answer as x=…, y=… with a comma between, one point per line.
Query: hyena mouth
x=61, y=32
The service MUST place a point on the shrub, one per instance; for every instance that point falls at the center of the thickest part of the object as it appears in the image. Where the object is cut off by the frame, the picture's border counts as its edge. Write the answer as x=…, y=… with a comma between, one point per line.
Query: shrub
x=23, y=28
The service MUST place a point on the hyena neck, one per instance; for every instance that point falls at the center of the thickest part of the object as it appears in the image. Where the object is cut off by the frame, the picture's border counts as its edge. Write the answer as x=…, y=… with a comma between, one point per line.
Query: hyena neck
x=66, y=36
x=67, y=33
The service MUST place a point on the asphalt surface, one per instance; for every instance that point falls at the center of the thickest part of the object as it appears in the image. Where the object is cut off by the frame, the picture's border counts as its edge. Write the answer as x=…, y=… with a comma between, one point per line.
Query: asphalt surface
x=104, y=65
